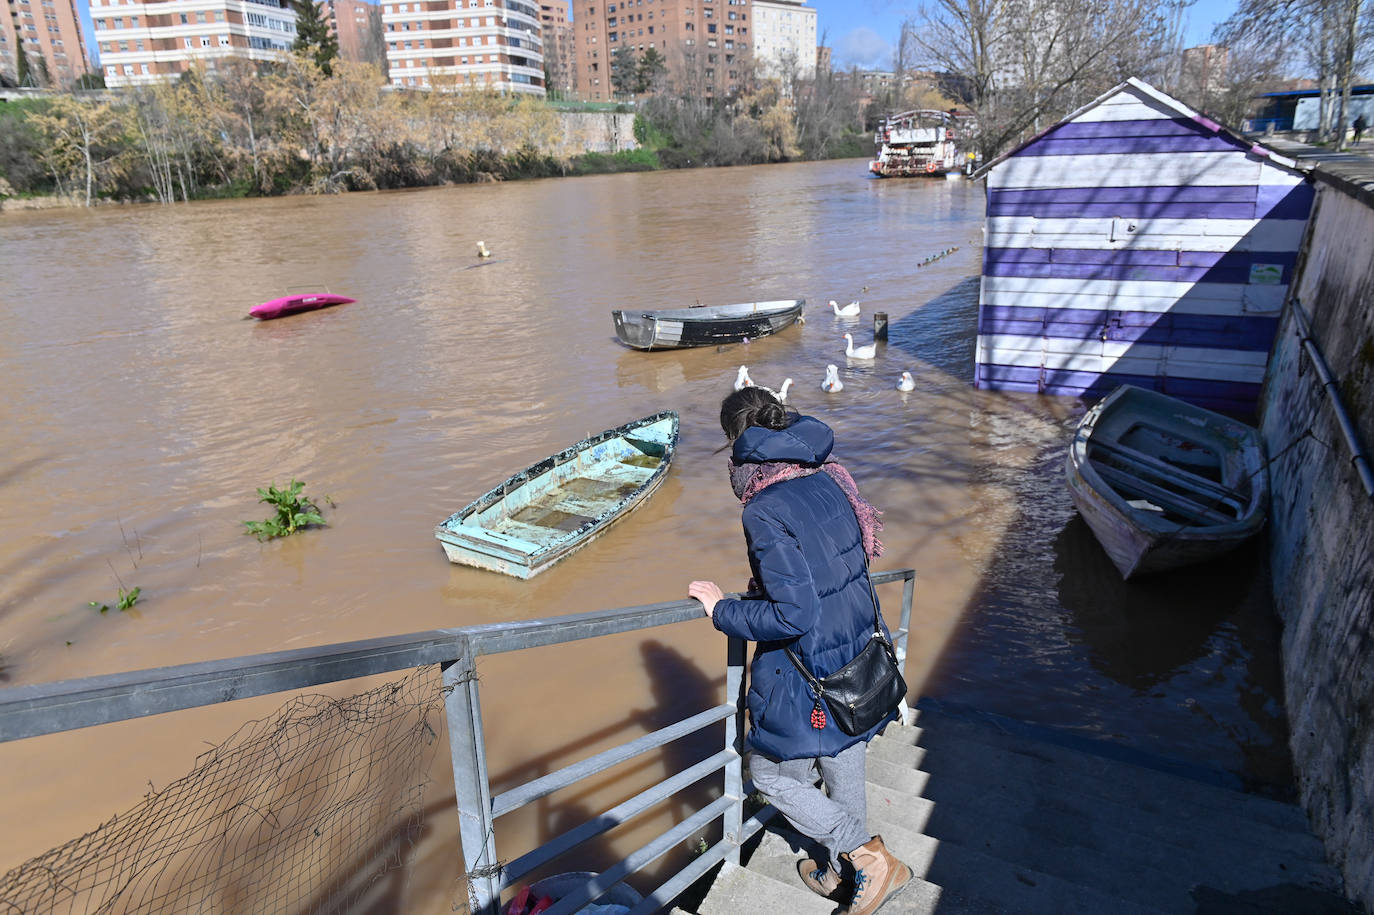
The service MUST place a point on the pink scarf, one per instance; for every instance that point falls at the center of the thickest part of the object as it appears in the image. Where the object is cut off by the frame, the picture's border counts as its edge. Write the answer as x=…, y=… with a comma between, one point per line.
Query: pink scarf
x=748, y=480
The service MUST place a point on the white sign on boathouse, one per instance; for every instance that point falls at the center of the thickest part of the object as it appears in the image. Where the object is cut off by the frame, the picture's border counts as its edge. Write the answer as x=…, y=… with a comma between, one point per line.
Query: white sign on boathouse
x=1137, y=242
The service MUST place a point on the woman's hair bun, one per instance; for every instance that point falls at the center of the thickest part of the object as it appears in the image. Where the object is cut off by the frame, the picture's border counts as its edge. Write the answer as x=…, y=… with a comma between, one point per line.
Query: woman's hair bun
x=772, y=415
x=752, y=406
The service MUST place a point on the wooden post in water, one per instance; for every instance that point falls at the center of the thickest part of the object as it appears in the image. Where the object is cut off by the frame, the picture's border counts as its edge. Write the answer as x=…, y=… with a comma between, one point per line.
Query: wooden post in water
x=880, y=326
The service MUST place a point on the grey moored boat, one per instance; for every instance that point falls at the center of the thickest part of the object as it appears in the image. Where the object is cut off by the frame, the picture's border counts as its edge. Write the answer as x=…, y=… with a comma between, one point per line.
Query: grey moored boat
x=704, y=325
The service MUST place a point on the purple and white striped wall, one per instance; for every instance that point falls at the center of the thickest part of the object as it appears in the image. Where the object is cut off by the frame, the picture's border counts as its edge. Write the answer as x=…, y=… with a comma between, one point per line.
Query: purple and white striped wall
x=1137, y=242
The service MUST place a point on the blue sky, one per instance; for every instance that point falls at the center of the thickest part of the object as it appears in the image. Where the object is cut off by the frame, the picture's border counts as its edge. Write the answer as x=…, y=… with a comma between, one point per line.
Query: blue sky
x=862, y=32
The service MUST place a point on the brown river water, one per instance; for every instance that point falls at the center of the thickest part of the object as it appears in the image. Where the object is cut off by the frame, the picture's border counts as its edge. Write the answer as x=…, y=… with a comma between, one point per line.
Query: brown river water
x=140, y=412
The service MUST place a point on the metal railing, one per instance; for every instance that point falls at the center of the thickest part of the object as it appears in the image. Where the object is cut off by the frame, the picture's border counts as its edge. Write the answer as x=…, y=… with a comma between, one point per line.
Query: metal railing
x=30, y=711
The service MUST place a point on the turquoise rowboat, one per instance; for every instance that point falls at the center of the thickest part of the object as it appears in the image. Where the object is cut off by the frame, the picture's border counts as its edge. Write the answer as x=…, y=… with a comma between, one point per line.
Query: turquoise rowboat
x=550, y=509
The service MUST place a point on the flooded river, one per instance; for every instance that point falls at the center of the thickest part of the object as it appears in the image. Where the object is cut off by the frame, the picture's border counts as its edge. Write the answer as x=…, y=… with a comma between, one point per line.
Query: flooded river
x=141, y=411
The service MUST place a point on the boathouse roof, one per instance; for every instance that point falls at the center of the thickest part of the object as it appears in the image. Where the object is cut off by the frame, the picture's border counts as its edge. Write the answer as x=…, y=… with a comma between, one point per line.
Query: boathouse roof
x=1149, y=94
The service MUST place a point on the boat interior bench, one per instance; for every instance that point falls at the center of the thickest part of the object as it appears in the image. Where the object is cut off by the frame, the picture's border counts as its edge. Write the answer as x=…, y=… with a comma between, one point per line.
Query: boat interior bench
x=1210, y=491
x=1170, y=502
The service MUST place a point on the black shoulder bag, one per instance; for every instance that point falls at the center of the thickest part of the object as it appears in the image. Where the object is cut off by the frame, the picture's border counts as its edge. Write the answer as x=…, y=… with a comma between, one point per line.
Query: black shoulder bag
x=865, y=690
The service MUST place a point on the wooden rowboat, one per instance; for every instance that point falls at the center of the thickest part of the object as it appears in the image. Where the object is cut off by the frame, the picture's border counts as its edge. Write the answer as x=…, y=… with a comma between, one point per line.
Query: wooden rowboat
x=1163, y=483
x=551, y=509
x=705, y=325
x=295, y=304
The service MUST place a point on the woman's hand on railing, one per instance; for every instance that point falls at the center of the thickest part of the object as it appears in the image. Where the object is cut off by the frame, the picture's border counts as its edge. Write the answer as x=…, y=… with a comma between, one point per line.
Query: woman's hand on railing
x=708, y=592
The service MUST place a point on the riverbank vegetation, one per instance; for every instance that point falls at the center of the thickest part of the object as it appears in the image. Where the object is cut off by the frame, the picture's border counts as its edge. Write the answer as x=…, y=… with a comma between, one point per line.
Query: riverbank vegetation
x=295, y=128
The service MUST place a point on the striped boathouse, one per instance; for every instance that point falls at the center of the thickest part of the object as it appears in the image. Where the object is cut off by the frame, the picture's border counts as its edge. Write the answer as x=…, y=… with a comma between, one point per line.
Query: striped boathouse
x=1137, y=242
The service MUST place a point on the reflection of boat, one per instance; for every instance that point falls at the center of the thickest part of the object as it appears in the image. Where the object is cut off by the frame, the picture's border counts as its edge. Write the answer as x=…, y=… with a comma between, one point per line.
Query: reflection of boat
x=704, y=325
x=552, y=508
x=923, y=142
x=1163, y=483
x=294, y=304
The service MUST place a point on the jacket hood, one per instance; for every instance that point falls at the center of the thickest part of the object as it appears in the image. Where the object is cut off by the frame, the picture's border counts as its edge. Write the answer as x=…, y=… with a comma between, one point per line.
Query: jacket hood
x=806, y=441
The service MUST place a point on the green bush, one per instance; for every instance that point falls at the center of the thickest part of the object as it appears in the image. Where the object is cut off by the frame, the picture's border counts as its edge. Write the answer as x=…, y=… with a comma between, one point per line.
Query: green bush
x=294, y=511
x=627, y=160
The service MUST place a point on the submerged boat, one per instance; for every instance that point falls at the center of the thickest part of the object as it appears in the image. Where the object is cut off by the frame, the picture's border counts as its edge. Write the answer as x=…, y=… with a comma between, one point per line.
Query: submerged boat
x=294, y=304
x=918, y=143
x=1163, y=483
x=705, y=325
x=551, y=509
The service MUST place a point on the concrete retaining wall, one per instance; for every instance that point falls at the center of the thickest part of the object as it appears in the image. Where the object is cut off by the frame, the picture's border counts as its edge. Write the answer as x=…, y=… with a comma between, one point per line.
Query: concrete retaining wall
x=1322, y=525
x=597, y=131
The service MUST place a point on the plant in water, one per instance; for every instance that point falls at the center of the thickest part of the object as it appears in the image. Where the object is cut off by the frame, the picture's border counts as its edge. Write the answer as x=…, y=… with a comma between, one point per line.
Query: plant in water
x=126, y=600
x=294, y=511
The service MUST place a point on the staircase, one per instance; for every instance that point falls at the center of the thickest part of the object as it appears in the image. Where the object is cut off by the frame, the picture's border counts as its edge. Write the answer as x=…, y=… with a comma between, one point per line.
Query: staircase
x=995, y=816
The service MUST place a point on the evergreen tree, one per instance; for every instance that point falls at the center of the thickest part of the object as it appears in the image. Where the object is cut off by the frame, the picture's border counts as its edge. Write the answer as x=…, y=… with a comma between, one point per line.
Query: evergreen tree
x=313, y=34
x=624, y=70
x=652, y=67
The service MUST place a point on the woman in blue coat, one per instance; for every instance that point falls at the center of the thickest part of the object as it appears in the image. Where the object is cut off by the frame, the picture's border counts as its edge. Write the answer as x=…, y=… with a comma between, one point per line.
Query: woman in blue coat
x=809, y=533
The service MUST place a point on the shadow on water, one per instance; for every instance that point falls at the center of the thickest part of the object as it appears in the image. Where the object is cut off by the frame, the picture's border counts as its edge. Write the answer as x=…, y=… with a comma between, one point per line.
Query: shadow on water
x=1142, y=632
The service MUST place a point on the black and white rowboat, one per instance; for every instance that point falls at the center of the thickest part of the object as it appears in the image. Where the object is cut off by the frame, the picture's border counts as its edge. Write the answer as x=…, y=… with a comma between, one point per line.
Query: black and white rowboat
x=704, y=325
x=1163, y=483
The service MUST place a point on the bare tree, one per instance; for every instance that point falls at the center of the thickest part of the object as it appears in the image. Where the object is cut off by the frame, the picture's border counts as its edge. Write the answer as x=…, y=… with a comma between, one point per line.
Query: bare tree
x=1021, y=64
x=1332, y=35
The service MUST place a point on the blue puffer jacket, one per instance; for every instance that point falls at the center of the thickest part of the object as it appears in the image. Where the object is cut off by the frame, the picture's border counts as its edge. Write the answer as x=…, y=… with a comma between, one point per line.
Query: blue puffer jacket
x=806, y=552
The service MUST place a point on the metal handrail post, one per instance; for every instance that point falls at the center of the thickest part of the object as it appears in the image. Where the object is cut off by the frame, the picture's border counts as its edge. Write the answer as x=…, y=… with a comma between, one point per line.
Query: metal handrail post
x=476, y=827
x=735, y=654
x=908, y=592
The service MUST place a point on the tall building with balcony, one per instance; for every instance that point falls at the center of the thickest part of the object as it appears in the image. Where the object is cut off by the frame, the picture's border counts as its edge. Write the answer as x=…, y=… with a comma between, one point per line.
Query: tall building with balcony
x=158, y=40
x=357, y=24
x=785, y=38
x=491, y=44
x=47, y=35
x=706, y=43
x=560, y=56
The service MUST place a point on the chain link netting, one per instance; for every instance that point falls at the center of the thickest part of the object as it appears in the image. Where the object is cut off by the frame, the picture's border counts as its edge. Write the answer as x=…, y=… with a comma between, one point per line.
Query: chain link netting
x=299, y=812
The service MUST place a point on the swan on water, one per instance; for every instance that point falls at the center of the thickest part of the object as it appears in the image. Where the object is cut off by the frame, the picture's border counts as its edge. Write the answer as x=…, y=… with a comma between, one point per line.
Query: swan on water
x=742, y=380
x=906, y=383
x=781, y=393
x=482, y=249
x=849, y=311
x=832, y=382
x=859, y=352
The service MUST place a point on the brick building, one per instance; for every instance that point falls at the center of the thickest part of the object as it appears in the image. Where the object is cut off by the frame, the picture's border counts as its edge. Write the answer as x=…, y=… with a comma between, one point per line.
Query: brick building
x=47, y=33
x=560, y=55
x=706, y=43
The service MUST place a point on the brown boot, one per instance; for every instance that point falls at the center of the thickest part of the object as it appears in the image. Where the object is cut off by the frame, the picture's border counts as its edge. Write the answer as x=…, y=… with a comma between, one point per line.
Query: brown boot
x=878, y=875
x=820, y=879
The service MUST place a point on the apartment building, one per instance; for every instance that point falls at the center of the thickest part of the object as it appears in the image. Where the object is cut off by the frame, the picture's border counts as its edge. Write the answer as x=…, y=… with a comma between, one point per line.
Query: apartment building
x=357, y=25
x=145, y=42
x=785, y=38
x=492, y=44
x=560, y=56
x=706, y=43
x=47, y=33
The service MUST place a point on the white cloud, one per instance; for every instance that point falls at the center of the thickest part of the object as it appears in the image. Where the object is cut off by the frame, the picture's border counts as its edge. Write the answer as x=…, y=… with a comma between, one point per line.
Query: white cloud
x=863, y=48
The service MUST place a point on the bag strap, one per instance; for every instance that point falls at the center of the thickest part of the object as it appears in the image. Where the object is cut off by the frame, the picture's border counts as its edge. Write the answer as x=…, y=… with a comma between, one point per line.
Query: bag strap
x=810, y=678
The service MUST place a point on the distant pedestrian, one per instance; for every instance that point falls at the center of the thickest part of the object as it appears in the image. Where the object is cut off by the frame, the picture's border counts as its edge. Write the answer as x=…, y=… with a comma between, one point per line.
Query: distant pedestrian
x=1359, y=125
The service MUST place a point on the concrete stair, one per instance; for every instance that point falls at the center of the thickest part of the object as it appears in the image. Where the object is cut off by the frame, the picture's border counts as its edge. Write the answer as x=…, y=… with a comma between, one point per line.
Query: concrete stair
x=994, y=816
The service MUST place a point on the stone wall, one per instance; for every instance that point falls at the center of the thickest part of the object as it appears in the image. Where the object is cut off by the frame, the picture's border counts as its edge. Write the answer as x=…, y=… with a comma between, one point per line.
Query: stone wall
x=597, y=131
x=1322, y=523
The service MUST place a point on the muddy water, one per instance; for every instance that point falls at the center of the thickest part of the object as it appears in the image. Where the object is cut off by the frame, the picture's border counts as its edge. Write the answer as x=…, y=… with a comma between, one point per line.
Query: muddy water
x=141, y=411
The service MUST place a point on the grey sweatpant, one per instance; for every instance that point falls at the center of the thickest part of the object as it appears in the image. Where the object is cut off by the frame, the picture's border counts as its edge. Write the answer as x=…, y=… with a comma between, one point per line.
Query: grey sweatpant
x=838, y=817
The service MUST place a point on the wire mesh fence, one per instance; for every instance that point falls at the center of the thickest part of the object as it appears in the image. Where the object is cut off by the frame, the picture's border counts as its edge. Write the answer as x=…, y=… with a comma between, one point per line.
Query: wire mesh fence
x=304, y=811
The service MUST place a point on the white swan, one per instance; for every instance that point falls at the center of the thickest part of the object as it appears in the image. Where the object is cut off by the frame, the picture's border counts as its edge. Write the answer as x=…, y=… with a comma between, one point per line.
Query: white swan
x=482, y=249
x=849, y=311
x=781, y=393
x=742, y=380
x=832, y=382
x=859, y=352
x=906, y=383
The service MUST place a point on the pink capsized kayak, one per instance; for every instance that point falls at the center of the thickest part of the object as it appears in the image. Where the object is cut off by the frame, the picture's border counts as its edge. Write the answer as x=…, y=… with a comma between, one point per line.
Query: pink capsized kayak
x=293, y=304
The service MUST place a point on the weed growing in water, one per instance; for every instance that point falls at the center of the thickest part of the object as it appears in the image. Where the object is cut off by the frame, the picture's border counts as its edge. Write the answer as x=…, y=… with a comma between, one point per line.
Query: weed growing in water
x=294, y=511
x=126, y=600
